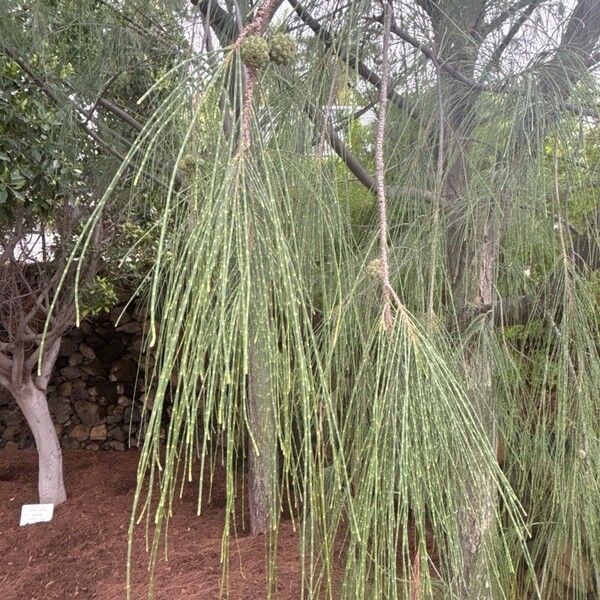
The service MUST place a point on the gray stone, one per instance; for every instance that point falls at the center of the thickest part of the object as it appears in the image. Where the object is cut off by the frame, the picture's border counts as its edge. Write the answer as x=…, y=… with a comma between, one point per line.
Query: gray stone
x=76, y=335
x=87, y=351
x=87, y=412
x=25, y=440
x=69, y=442
x=137, y=345
x=107, y=390
x=98, y=433
x=86, y=328
x=118, y=433
x=95, y=368
x=132, y=413
x=12, y=417
x=95, y=342
x=111, y=351
x=132, y=328
x=80, y=433
x=75, y=359
x=92, y=447
x=5, y=397
x=125, y=371
x=12, y=432
x=105, y=330
x=81, y=394
x=60, y=408
x=71, y=372
x=112, y=419
x=66, y=388
x=67, y=347
x=115, y=445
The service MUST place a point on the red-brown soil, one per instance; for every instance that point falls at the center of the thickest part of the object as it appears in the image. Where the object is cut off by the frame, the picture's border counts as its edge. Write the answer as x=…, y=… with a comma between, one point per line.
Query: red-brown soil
x=81, y=553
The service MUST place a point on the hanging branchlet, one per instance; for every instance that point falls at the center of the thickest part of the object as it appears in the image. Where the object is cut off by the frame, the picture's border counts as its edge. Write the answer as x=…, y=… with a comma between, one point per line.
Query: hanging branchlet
x=245, y=140
x=383, y=265
x=255, y=28
x=261, y=20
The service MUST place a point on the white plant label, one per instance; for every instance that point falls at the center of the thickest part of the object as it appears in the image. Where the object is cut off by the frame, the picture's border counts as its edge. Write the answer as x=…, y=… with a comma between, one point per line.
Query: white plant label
x=36, y=513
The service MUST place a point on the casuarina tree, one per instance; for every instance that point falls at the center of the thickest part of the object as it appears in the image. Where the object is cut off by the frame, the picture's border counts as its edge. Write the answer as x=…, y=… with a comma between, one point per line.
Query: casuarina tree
x=375, y=282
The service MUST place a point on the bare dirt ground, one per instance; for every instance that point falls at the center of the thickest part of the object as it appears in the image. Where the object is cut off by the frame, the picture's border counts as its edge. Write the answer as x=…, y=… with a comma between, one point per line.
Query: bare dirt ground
x=81, y=553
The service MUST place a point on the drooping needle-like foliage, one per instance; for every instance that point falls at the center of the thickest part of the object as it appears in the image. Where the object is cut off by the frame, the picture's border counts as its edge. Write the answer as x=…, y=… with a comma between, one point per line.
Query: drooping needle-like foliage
x=450, y=448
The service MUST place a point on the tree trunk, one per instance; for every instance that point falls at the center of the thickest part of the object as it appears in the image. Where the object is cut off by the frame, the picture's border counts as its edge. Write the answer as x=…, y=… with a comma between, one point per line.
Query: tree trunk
x=32, y=401
x=262, y=448
x=477, y=513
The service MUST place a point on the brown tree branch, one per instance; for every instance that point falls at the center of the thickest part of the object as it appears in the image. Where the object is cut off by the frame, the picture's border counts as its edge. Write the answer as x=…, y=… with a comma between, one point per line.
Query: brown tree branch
x=511, y=33
x=352, y=61
x=354, y=164
x=120, y=113
x=506, y=14
x=576, y=47
x=47, y=365
x=18, y=362
x=592, y=112
x=429, y=53
x=220, y=20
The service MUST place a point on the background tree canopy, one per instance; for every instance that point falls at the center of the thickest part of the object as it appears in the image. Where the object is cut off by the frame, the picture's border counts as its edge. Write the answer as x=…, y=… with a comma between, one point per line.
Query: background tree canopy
x=370, y=261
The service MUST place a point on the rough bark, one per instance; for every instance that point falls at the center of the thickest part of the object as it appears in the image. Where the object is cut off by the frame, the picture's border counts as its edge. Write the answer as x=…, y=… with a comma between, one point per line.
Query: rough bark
x=472, y=267
x=262, y=451
x=477, y=513
x=470, y=259
x=32, y=401
x=28, y=387
x=262, y=448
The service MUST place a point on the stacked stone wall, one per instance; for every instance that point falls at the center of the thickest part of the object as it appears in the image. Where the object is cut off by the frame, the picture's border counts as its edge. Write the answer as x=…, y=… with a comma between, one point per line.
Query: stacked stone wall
x=97, y=392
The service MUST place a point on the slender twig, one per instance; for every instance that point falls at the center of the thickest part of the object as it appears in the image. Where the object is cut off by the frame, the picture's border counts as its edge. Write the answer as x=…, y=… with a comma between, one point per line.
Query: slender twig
x=500, y=88
x=506, y=14
x=257, y=25
x=384, y=265
x=367, y=74
x=512, y=32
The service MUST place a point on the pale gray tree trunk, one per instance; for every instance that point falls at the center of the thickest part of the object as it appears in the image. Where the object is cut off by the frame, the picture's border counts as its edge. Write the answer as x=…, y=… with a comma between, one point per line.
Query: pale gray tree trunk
x=29, y=390
x=34, y=404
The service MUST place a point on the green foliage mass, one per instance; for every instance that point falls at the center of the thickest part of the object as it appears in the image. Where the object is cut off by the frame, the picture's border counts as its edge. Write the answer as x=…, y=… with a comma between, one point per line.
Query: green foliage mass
x=98, y=296
x=259, y=267
x=36, y=172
